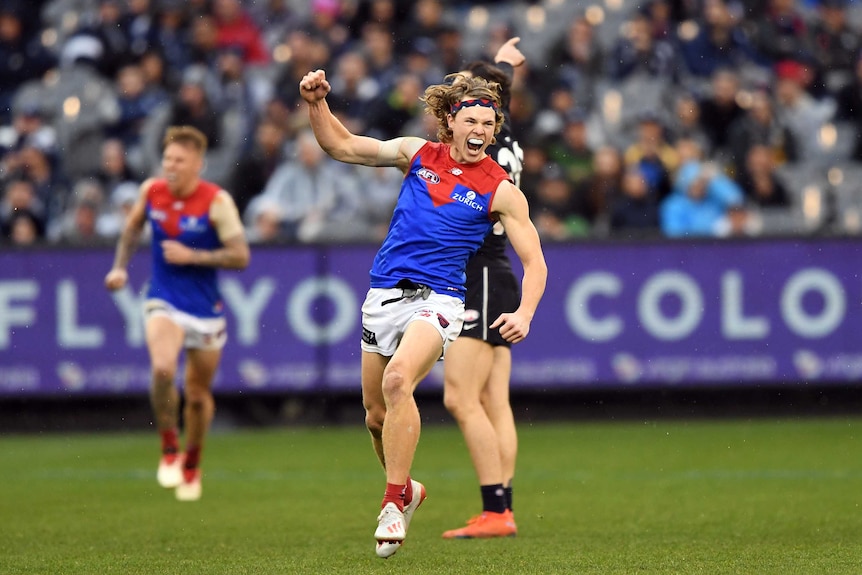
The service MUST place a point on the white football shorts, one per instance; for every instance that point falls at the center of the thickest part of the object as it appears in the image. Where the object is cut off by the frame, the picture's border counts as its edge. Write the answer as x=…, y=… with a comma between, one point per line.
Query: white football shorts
x=200, y=333
x=383, y=325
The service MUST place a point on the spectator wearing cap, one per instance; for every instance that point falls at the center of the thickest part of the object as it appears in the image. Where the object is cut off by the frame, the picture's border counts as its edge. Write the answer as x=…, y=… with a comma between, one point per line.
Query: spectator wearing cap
x=22, y=57
x=798, y=111
x=700, y=202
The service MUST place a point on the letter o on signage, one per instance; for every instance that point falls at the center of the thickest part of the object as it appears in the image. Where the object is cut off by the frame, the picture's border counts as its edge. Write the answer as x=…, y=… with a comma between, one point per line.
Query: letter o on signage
x=801, y=322
x=649, y=308
x=302, y=322
x=577, y=307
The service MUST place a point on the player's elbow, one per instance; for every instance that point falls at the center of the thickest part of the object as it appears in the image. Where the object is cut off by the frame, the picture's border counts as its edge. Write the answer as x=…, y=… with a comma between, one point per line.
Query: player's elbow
x=244, y=258
x=240, y=257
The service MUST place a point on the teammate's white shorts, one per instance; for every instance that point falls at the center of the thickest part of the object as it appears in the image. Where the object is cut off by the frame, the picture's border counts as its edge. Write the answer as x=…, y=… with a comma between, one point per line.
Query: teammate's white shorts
x=200, y=333
x=383, y=325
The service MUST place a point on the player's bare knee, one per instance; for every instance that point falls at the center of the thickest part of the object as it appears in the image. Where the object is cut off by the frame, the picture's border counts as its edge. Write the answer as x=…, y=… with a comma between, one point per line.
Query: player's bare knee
x=450, y=400
x=374, y=421
x=197, y=399
x=163, y=373
x=395, y=386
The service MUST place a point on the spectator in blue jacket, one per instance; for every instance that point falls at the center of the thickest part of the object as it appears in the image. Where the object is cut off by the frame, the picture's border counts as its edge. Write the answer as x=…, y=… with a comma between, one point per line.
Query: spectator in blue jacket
x=719, y=43
x=699, y=203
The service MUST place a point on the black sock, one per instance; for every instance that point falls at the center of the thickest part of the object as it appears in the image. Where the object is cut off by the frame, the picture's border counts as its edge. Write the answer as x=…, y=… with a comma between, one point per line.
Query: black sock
x=508, y=491
x=493, y=498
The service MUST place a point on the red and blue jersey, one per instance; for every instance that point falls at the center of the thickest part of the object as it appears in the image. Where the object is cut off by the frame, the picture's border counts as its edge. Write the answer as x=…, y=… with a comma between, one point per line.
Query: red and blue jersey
x=441, y=218
x=189, y=288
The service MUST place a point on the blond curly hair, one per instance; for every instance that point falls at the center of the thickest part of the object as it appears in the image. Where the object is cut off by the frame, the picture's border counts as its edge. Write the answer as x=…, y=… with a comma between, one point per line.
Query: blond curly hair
x=440, y=98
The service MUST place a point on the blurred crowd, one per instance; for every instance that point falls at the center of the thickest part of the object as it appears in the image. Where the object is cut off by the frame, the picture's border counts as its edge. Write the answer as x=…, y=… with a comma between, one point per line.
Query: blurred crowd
x=637, y=118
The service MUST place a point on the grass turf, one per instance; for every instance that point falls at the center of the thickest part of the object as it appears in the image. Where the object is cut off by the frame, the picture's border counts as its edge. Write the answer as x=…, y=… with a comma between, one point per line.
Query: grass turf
x=666, y=497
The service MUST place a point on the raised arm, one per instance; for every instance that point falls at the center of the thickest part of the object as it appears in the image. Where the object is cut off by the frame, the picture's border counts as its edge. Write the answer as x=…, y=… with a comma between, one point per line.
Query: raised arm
x=511, y=207
x=509, y=53
x=340, y=143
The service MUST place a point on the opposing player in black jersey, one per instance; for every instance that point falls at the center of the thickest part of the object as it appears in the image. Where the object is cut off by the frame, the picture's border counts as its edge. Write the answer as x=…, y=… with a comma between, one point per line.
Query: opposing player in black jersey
x=478, y=364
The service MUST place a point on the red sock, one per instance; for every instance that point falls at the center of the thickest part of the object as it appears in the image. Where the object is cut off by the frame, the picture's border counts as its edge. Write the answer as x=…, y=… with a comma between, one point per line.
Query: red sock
x=193, y=457
x=394, y=494
x=408, y=491
x=192, y=461
x=170, y=441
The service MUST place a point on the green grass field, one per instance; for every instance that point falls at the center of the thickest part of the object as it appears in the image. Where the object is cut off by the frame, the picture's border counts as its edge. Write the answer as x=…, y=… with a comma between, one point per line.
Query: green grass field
x=664, y=497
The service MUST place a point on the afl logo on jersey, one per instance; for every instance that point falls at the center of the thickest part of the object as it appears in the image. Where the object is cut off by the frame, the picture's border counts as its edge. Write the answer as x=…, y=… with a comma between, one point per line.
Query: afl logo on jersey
x=428, y=175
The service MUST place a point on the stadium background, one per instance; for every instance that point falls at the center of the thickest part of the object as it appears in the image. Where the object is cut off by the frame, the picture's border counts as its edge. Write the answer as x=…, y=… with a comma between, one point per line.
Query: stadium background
x=763, y=322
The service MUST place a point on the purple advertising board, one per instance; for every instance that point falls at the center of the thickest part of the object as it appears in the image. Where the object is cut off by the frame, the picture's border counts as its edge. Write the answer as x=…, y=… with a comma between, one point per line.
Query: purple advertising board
x=614, y=315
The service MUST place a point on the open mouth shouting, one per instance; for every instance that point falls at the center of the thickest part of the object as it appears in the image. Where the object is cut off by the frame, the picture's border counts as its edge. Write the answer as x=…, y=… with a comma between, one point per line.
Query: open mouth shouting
x=474, y=144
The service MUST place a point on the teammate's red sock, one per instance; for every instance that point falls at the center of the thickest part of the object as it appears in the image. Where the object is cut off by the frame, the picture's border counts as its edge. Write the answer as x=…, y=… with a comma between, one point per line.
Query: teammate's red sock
x=394, y=494
x=170, y=441
x=192, y=461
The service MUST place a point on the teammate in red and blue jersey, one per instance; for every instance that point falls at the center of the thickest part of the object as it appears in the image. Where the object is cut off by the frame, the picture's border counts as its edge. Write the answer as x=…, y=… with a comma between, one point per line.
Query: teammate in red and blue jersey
x=196, y=229
x=479, y=363
x=451, y=196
